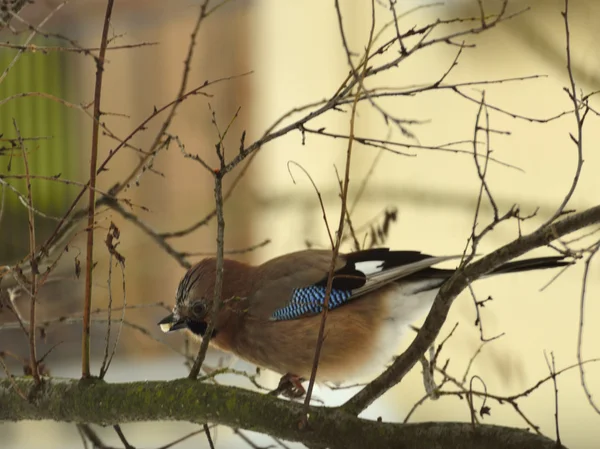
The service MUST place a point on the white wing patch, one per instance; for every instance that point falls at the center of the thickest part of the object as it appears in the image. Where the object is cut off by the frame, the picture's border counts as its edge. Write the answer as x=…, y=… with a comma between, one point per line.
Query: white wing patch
x=382, y=277
x=369, y=267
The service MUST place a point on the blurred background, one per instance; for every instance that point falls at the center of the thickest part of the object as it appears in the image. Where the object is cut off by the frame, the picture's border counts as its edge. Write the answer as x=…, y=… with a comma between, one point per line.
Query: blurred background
x=295, y=54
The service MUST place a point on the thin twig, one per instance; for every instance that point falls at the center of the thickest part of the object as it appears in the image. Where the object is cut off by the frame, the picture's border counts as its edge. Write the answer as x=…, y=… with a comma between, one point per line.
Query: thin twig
x=179, y=98
x=582, y=300
x=218, y=177
x=319, y=196
x=206, y=428
x=33, y=287
x=2, y=202
x=573, y=96
x=180, y=257
x=9, y=376
x=107, y=359
x=344, y=196
x=212, y=214
x=91, y=215
x=90, y=434
x=47, y=49
x=31, y=36
x=248, y=249
x=122, y=437
x=552, y=370
x=182, y=439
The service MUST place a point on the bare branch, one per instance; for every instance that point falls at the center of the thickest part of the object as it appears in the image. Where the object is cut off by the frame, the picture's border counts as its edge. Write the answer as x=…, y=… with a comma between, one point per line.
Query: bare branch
x=456, y=284
x=91, y=213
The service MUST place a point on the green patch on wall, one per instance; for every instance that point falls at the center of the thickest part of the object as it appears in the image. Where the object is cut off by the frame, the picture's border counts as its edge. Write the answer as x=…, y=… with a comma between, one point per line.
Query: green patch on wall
x=49, y=131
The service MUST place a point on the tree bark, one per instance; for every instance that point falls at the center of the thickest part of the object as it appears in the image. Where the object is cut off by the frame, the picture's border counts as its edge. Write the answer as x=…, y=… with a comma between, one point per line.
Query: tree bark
x=97, y=402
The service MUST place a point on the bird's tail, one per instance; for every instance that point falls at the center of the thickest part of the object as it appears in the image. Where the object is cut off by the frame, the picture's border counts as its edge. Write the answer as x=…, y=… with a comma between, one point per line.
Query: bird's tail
x=537, y=263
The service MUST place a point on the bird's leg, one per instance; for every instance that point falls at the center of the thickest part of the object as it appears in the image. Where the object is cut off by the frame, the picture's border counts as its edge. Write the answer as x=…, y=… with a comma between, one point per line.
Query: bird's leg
x=290, y=386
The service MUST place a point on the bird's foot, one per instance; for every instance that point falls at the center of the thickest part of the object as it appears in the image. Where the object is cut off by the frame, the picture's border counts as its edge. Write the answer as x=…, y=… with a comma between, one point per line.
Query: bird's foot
x=290, y=386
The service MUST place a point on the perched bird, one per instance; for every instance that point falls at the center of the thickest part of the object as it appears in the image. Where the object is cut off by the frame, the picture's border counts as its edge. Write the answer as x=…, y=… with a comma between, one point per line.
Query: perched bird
x=270, y=315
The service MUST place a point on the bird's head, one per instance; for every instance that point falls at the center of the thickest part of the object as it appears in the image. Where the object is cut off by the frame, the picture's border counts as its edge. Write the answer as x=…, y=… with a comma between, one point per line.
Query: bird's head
x=195, y=295
x=193, y=301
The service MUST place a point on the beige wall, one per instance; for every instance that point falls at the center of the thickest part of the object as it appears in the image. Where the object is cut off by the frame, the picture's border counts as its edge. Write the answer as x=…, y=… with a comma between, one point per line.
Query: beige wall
x=137, y=81
x=295, y=52
x=301, y=60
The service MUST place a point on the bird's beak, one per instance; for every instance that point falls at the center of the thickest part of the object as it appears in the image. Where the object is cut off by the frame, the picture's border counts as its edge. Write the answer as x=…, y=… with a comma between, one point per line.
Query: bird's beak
x=169, y=324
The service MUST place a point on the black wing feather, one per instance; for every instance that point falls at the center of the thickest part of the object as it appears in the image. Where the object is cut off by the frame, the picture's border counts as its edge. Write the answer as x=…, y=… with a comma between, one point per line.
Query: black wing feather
x=349, y=278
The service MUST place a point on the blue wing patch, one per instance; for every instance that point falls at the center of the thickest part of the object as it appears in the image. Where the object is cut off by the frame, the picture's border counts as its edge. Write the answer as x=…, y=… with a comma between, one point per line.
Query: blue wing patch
x=309, y=301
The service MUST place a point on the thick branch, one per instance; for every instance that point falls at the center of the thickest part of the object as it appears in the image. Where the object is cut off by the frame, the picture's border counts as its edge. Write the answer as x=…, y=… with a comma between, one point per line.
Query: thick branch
x=95, y=401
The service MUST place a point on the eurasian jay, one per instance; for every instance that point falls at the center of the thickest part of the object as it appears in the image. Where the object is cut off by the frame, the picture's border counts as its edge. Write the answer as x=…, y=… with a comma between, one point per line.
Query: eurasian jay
x=270, y=315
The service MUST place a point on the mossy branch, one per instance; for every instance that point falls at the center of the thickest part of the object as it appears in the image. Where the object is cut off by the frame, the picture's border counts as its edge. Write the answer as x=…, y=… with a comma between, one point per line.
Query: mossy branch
x=97, y=402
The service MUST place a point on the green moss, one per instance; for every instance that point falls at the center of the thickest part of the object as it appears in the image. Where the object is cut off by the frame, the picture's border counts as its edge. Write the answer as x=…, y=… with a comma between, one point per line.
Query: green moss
x=95, y=401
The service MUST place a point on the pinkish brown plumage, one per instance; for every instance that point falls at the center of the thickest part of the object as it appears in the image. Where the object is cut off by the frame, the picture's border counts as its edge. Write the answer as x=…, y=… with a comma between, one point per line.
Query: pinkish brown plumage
x=270, y=314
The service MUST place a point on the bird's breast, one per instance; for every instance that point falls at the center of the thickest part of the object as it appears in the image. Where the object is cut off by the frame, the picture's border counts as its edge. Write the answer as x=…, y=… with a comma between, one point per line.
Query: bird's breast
x=360, y=337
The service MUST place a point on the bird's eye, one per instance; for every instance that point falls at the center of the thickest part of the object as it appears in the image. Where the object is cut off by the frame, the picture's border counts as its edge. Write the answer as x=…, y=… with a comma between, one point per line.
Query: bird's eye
x=198, y=309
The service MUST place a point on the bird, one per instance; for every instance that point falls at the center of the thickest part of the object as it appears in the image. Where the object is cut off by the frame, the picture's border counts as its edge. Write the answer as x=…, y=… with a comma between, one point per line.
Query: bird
x=270, y=314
